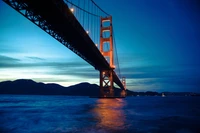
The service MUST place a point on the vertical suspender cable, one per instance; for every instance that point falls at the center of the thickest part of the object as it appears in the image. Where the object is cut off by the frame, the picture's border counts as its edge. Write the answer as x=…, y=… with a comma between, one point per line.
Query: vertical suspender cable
x=88, y=19
x=116, y=55
x=96, y=27
x=84, y=14
x=78, y=15
x=92, y=24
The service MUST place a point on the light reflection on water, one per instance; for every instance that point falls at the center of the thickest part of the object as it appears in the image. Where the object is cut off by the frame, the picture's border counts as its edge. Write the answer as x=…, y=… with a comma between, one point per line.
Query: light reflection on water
x=110, y=113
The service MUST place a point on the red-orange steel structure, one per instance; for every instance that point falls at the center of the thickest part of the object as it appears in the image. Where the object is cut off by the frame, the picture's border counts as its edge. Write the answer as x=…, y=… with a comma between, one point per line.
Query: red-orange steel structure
x=106, y=76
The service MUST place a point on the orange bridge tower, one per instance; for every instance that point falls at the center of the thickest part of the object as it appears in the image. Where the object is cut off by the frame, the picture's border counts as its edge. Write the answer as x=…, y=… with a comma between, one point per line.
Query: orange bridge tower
x=106, y=76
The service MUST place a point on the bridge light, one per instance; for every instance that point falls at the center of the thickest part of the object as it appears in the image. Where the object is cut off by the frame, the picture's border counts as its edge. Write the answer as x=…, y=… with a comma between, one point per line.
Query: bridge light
x=87, y=31
x=113, y=66
x=72, y=10
x=97, y=45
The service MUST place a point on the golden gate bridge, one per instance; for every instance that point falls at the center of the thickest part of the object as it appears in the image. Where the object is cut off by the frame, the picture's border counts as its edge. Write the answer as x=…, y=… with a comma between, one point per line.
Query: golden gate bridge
x=84, y=28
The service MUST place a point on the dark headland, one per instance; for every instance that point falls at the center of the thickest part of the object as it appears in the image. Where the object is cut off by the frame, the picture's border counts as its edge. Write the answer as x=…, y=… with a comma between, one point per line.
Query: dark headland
x=30, y=87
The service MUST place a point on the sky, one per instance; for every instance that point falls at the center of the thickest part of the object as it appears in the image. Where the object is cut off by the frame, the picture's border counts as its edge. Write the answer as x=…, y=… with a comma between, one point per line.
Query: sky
x=158, y=45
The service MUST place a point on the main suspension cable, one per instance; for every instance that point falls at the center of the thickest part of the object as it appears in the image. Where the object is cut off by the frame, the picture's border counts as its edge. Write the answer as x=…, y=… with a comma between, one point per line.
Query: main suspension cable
x=81, y=8
x=100, y=8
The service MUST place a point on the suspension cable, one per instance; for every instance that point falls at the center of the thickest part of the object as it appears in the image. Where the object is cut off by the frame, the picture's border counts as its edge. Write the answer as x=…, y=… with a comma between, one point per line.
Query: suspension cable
x=100, y=8
x=82, y=9
x=97, y=13
x=116, y=54
x=88, y=11
x=88, y=17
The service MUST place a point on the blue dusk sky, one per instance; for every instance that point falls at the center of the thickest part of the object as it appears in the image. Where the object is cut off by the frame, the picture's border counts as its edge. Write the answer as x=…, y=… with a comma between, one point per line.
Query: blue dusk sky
x=158, y=45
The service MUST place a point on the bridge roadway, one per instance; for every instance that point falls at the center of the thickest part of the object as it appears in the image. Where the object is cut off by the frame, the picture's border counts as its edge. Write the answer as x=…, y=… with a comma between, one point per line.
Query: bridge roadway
x=63, y=22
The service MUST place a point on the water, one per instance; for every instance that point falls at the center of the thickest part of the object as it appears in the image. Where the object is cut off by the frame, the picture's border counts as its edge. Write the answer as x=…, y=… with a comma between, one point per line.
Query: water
x=66, y=114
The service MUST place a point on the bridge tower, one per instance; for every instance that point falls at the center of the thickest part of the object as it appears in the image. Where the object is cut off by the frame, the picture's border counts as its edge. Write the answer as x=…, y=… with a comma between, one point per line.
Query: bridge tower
x=123, y=92
x=124, y=82
x=106, y=76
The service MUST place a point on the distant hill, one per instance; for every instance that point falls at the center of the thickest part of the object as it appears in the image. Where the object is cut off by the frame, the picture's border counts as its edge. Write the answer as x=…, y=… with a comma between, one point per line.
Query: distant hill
x=30, y=87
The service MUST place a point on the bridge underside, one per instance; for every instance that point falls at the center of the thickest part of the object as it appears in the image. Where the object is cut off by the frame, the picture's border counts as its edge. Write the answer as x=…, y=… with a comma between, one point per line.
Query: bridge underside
x=55, y=18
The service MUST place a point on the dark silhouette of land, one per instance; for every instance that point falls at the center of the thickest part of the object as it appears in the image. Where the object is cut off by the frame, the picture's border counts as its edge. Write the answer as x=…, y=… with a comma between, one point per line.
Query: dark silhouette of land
x=30, y=87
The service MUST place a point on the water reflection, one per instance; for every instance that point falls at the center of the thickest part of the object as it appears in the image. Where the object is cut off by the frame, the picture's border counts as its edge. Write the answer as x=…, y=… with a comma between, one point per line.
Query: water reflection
x=110, y=114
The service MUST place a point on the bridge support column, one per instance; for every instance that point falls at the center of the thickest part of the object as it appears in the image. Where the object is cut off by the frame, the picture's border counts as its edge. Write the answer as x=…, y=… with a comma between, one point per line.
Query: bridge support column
x=106, y=83
x=123, y=92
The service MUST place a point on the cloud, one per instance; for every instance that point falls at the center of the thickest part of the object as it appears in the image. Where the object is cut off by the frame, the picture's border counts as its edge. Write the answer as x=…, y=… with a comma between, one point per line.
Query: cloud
x=7, y=59
x=79, y=69
x=161, y=71
x=7, y=62
x=172, y=78
x=152, y=78
x=35, y=58
x=78, y=72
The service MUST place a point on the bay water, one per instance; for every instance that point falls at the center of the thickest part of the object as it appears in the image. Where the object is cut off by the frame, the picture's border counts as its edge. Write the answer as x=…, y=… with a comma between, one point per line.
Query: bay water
x=77, y=114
